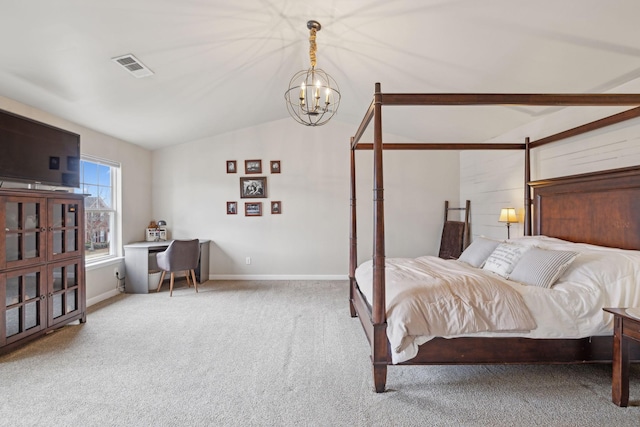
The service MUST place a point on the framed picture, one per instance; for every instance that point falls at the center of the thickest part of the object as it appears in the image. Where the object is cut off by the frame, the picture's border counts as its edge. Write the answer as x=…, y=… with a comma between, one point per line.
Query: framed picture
x=232, y=167
x=232, y=208
x=252, y=166
x=275, y=166
x=276, y=207
x=253, y=209
x=253, y=187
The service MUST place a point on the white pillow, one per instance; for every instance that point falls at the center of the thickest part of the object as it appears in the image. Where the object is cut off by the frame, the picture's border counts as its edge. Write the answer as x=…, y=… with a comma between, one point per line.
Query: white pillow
x=541, y=267
x=478, y=251
x=504, y=258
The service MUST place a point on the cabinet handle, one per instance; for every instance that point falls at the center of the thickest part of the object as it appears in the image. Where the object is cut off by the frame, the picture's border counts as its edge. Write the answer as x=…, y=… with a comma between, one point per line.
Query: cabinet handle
x=42, y=297
x=43, y=229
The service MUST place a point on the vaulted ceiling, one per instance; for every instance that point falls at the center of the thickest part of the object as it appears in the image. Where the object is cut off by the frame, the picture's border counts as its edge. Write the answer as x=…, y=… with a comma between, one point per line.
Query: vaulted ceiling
x=221, y=65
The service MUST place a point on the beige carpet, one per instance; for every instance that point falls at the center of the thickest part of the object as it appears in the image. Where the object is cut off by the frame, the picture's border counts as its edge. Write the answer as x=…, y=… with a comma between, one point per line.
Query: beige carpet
x=272, y=354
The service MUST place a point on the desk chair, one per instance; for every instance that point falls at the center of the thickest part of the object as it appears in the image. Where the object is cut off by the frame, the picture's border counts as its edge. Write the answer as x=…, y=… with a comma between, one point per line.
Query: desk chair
x=181, y=255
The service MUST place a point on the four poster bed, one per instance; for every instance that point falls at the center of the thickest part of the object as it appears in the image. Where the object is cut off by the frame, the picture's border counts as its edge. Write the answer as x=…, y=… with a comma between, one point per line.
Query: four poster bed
x=577, y=221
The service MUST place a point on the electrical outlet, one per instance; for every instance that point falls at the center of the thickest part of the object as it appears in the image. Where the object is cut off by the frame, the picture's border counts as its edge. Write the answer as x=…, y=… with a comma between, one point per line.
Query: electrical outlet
x=248, y=260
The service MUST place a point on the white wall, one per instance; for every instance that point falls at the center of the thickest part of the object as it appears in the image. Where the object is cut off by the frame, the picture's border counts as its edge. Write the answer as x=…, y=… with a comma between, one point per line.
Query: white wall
x=416, y=185
x=310, y=239
x=136, y=194
x=493, y=180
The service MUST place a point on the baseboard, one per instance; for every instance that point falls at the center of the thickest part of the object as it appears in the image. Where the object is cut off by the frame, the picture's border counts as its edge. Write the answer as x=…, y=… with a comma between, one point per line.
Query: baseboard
x=114, y=292
x=277, y=277
x=102, y=297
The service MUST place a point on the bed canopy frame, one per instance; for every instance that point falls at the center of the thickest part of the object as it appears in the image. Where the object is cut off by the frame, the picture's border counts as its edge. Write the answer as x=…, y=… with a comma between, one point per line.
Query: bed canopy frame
x=603, y=192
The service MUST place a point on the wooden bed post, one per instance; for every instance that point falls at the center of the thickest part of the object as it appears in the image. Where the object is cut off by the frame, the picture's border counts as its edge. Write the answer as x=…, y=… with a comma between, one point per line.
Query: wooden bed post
x=527, y=188
x=380, y=342
x=353, y=240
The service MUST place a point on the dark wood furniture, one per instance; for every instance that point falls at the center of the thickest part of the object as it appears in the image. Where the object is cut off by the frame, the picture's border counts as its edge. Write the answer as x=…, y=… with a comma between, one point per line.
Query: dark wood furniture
x=624, y=326
x=455, y=234
x=42, y=277
x=558, y=203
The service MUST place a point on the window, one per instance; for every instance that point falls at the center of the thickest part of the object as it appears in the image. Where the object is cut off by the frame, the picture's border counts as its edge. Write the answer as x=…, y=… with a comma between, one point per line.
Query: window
x=99, y=181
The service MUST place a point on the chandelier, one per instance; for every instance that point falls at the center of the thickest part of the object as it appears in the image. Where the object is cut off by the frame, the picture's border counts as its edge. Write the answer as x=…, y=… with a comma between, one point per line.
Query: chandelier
x=313, y=96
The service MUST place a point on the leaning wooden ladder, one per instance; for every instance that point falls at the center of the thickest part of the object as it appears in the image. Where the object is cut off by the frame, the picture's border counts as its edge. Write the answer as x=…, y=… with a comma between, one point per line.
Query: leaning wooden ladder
x=455, y=234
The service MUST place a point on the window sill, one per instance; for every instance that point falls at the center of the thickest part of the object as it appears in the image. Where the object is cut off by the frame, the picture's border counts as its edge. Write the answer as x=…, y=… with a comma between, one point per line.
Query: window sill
x=94, y=265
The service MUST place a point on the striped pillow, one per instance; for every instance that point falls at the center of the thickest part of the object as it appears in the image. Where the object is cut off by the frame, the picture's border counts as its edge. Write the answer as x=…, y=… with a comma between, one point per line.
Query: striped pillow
x=541, y=267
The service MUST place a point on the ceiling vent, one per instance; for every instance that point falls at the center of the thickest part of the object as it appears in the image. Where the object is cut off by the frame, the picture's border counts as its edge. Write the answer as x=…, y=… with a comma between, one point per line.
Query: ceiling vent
x=133, y=65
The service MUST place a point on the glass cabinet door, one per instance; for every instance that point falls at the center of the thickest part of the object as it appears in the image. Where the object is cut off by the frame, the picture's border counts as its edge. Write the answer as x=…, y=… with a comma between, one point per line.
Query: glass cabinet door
x=64, y=232
x=65, y=298
x=23, y=231
x=24, y=299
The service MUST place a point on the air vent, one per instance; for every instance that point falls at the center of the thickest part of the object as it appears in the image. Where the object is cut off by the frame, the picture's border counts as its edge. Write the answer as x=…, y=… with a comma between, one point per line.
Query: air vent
x=133, y=65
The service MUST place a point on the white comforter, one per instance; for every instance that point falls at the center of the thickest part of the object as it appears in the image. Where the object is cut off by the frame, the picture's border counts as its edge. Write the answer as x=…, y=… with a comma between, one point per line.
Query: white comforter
x=572, y=308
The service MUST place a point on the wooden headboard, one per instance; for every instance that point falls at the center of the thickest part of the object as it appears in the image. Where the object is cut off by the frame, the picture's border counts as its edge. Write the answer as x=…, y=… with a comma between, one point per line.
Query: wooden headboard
x=601, y=208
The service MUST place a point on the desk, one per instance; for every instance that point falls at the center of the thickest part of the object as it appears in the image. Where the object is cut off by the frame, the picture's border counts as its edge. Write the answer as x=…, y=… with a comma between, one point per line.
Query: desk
x=139, y=259
x=624, y=326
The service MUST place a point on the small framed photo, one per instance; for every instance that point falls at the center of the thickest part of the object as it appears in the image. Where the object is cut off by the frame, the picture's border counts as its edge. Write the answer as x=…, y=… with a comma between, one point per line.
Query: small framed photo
x=232, y=208
x=232, y=167
x=253, y=209
x=276, y=207
x=253, y=187
x=275, y=166
x=252, y=166
x=54, y=163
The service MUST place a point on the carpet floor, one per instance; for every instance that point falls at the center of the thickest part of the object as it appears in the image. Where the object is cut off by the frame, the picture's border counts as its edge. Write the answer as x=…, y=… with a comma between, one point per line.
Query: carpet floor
x=273, y=353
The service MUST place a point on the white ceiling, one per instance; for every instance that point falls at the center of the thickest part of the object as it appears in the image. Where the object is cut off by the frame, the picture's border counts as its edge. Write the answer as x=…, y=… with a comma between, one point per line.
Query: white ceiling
x=222, y=65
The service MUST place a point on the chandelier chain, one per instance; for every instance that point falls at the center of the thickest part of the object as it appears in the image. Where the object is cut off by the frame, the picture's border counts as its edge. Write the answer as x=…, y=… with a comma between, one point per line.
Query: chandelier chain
x=312, y=47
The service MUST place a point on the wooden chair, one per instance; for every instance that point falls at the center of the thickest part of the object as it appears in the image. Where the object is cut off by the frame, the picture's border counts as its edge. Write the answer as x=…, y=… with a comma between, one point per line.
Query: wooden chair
x=180, y=255
x=455, y=234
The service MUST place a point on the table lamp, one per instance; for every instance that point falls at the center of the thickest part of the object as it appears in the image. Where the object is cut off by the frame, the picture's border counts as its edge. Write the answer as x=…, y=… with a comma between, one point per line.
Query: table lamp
x=508, y=215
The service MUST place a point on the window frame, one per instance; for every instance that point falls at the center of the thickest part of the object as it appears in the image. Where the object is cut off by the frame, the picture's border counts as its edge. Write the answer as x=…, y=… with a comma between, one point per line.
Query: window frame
x=115, y=223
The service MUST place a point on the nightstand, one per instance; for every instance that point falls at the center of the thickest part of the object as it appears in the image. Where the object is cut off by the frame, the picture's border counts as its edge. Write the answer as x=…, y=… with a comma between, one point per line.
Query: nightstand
x=626, y=324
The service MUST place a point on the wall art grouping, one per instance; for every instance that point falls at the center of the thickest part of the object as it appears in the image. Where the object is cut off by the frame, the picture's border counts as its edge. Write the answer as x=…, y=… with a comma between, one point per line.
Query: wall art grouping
x=253, y=166
x=254, y=208
x=253, y=187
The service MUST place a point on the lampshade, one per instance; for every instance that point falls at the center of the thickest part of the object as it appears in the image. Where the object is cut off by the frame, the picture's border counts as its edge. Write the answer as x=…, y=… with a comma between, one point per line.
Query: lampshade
x=508, y=215
x=313, y=96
